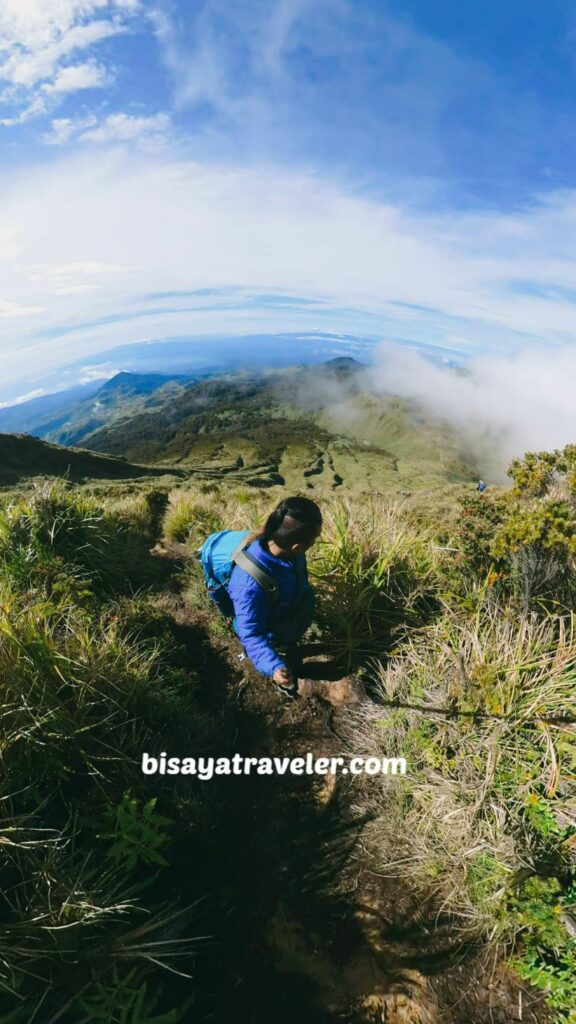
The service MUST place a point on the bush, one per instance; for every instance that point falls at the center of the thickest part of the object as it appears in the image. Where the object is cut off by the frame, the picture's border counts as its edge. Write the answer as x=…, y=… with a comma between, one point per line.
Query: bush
x=537, y=543
x=538, y=473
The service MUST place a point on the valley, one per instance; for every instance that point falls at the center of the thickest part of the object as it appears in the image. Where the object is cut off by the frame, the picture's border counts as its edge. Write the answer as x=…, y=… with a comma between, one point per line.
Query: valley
x=316, y=429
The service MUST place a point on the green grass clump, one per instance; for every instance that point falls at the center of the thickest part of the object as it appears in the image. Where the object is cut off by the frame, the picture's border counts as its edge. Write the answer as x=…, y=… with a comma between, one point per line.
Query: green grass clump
x=191, y=517
x=55, y=538
x=486, y=827
x=376, y=577
x=88, y=680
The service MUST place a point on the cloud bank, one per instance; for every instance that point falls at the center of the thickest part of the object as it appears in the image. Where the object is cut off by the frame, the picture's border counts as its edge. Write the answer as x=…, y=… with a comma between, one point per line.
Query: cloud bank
x=503, y=405
x=132, y=247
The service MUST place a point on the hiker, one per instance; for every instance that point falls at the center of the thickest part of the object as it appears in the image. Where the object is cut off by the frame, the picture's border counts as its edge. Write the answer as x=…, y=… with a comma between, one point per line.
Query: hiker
x=260, y=580
x=481, y=486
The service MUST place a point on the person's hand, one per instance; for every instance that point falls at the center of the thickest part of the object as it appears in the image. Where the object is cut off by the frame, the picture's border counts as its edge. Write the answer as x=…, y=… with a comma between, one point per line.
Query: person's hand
x=283, y=676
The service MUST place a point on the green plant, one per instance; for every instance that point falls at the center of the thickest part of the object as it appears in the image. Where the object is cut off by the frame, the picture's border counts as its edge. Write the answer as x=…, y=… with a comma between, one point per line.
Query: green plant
x=138, y=833
x=191, y=516
x=53, y=537
x=125, y=1000
x=374, y=574
x=557, y=980
x=536, y=473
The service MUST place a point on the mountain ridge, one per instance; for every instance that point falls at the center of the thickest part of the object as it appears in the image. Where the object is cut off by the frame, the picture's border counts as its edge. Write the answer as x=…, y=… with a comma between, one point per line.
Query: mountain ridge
x=23, y=456
x=311, y=427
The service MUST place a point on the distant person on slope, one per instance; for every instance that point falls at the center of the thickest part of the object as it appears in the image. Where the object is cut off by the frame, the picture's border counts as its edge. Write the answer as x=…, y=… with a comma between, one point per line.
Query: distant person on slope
x=260, y=580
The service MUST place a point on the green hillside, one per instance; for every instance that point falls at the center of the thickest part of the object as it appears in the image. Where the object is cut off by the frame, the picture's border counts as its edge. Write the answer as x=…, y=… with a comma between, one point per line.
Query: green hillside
x=306, y=428
x=316, y=428
x=24, y=457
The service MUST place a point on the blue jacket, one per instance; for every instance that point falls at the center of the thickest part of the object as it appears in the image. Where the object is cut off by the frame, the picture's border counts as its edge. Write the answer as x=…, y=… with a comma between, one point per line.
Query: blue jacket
x=256, y=616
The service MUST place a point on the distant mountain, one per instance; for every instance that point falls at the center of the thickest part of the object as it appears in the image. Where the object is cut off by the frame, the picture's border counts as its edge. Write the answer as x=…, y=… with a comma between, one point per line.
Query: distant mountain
x=308, y=428
x=70, y=417
x=343, y=364
x=116, y=401
x=29, y=417
x=22, y=456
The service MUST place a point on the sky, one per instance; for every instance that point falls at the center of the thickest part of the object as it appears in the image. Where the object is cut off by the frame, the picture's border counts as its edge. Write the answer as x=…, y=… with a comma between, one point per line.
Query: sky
x=402, y=171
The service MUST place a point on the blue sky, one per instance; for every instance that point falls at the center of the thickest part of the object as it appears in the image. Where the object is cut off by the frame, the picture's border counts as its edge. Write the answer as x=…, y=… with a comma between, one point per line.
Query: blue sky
x=401, y=170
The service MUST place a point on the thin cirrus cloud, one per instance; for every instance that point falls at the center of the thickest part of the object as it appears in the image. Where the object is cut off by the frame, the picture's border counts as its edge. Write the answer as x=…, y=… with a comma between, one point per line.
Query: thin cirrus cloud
x=368, y=95
x=141, y=131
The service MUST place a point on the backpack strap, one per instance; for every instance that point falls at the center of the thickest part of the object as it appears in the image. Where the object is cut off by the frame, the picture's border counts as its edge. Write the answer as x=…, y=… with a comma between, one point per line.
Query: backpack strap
x=252, y=566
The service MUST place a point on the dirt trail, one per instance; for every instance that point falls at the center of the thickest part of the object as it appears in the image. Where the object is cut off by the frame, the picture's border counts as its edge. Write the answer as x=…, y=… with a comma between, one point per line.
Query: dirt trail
x=302, y=929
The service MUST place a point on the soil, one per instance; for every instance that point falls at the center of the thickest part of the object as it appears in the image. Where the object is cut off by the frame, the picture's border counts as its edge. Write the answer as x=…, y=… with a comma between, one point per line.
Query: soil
x=301, y=930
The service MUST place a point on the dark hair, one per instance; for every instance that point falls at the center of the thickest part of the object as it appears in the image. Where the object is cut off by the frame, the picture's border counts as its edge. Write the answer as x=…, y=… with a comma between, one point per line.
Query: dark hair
x=293, y=521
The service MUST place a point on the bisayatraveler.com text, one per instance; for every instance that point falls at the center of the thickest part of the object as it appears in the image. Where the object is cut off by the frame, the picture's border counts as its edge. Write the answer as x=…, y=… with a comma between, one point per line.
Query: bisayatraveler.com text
x=206, y=768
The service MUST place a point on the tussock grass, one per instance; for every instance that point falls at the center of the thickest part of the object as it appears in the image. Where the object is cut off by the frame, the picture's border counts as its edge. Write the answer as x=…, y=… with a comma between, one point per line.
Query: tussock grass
x=376, y=574
x=486, y=810
x=133, y=513
x=56, y=536
x=194, y=513
x=191, y=516
x=86, y=683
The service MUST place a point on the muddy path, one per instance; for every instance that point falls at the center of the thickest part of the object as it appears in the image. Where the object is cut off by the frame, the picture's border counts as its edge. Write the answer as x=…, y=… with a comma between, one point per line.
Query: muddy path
x=300, y=928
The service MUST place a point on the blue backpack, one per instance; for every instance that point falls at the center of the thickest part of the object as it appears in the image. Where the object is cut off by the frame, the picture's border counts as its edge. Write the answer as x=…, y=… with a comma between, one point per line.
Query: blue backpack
x=219, y=554
x=223, y=550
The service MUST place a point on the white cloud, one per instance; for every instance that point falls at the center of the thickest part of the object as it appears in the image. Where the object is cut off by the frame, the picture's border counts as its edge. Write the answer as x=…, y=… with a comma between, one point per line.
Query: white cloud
x=74, y=278
x=33, y=24
x=506, y=405
x=83, y=267
x=29, y=67
x=127, y=128
x=456, y=279
x=17, y=309
x=23, y=398
x=35, y=108
x=63, y=129
x=37, y=42
x=75, y=77
x=102, y=372
x=147, y=132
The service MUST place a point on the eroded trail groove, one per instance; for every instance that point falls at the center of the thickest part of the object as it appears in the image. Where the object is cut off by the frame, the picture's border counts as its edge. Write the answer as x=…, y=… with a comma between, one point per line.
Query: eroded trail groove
x=300, y=927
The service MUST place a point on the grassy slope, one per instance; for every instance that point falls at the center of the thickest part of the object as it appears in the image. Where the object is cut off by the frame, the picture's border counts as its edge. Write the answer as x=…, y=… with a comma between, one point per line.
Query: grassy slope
x=23, y=457
x=485, y=796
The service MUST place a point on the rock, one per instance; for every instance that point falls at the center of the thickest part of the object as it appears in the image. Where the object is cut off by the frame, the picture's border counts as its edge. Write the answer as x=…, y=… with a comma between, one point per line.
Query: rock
x=348, y=690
